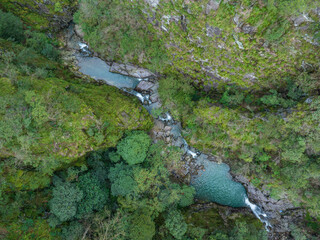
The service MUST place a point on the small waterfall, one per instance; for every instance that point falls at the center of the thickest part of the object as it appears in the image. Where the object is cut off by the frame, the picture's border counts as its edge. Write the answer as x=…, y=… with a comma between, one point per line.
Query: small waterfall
x=262, y=216
x=84, y=49
x=167, y=118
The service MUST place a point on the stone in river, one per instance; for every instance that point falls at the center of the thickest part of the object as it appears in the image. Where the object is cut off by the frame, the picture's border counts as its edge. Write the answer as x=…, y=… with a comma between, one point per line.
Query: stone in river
x=131, y=70
x=144, y=86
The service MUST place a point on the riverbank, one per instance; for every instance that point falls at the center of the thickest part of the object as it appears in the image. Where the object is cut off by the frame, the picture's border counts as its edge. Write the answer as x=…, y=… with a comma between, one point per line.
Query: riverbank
x=281, y=213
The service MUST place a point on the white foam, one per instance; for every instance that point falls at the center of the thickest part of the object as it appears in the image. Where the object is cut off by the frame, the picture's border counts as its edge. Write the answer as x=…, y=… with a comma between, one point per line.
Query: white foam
x=83, y=46
x=258, y=213
x=193, y=154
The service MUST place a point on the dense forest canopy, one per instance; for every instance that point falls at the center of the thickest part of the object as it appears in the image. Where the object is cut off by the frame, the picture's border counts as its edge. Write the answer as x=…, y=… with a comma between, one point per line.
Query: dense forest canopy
x=78, y=159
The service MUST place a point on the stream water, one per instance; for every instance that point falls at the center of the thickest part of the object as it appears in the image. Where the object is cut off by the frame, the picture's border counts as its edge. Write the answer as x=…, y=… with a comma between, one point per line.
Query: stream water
x=212, y=183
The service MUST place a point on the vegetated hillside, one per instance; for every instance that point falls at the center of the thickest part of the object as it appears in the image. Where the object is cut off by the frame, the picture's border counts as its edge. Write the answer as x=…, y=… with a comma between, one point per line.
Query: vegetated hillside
x=48, y=118
x=51, y=15
x=258, y=64
x=252, y=44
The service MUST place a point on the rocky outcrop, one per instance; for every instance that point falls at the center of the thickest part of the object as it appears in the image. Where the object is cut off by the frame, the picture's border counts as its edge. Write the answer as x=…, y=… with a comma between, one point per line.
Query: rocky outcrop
x=131, y=70
x=153, y=3
x=230, y=42
x=212, y=5
x=281, y=213
x=144, y=86
x=78, y=30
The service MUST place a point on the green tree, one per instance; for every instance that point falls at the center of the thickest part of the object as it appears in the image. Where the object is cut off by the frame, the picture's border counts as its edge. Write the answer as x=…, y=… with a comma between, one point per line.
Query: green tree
x=73, y=231
x=133, y=149
x=65, y=198
x=11, y=27
x=95, y=194
x=121, y=177
x=175, y=224
x=187, y=195
x=141, y=227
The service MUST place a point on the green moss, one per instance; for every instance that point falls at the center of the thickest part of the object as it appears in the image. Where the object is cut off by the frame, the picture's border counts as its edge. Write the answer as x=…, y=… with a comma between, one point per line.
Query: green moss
x=41, y=15
x=51, y=121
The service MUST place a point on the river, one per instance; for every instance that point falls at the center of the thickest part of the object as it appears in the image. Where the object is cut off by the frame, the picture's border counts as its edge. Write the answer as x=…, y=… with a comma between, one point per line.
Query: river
x=213, y=182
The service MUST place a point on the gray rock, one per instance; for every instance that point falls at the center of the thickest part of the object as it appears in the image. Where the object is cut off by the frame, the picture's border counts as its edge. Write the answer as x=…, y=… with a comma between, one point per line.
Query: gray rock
x=179, y=142
x=158, y=124
x=301, y=19
x=247, y=29
x=167, y=128
x=236, y=19
x=212, y=5
x=154, y=98
x=131, y=70
x=250, y=76
x=316, y=11
x=144, y=86
x=213, y=31
x=153, y=3
x=78, y=30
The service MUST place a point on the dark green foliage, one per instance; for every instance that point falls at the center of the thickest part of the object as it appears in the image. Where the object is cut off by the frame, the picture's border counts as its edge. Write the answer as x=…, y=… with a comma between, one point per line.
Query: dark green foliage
x=243, y=232
x=133, y=149
x=142, y=226
x=114, y=157
x=65, y=198
x=274, y=99
x=41, y=44
x=73, y=231
x=187, y=196
x=11, y=27
x=121, y=177
x=95, y=194
x=175, y=224
x=232, y=98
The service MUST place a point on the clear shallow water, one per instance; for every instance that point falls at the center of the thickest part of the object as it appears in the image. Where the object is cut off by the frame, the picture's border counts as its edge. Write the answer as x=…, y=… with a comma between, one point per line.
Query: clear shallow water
x=215, y=184
x=99, y=70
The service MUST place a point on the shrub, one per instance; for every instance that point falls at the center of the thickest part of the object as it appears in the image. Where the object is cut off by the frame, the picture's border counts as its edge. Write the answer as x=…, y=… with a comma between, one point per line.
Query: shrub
x=176, y=224
x=11, y=27
x=141, y=227
x=133, y=149
x=95, y=194
x=64, y=201
x=42, y=44
x=122, y=180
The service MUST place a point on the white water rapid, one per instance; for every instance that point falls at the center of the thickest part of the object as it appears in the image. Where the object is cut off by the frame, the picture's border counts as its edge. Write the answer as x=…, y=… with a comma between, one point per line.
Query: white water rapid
x=262, y=216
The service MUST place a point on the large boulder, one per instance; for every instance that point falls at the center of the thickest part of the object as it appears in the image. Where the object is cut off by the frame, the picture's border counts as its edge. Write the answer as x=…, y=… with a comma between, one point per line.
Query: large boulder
x=131, y=70
x=144, y=86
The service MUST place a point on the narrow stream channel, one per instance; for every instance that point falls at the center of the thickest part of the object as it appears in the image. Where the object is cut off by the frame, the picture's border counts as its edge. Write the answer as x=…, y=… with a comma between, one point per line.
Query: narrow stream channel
x=213, y=183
